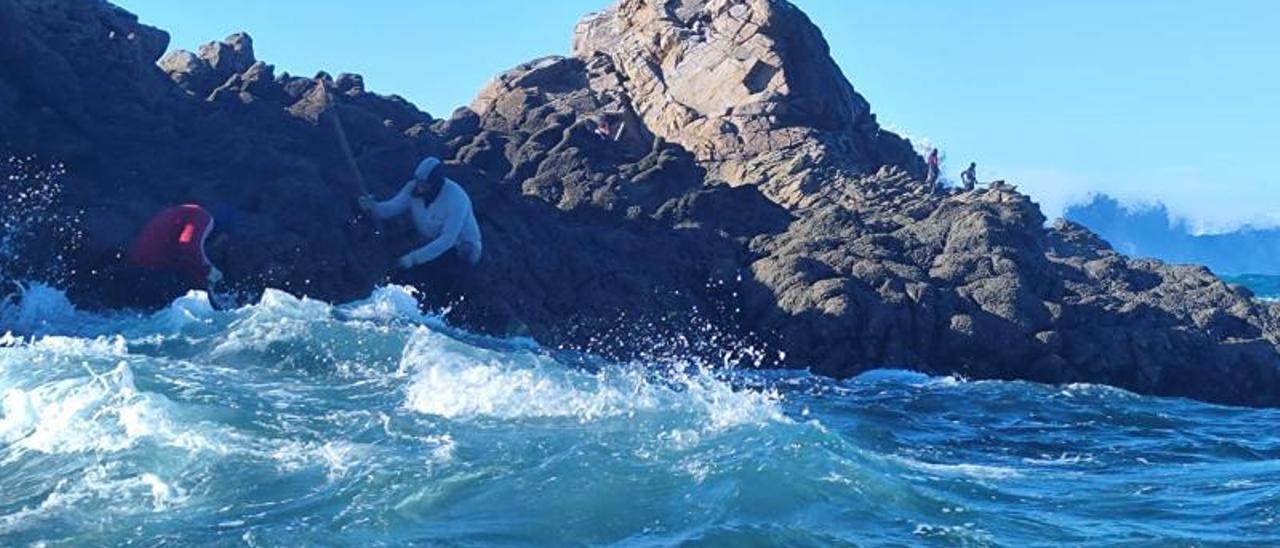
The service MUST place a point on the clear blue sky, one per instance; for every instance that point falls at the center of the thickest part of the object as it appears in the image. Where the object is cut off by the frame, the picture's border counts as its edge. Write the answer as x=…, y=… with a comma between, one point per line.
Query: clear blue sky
x=1177, y=101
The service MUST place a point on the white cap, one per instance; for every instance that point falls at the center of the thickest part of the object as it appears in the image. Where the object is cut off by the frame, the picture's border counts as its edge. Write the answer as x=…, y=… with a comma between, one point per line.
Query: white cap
x=425, y=168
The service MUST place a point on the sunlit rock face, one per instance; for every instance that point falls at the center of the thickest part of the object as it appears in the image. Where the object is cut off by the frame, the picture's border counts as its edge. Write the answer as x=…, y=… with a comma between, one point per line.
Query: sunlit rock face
x=748, y=86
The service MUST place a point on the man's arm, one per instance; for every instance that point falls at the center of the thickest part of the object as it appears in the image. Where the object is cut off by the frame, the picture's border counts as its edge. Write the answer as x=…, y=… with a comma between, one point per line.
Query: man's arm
x=397, y=205
x=459, y=210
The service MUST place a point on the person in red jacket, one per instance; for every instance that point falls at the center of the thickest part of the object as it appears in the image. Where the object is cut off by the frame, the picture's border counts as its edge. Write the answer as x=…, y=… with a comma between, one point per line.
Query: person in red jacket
x=174, y=241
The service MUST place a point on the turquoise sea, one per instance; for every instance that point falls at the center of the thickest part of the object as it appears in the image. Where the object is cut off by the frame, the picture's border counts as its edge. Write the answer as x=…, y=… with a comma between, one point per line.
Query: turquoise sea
x=293, y=422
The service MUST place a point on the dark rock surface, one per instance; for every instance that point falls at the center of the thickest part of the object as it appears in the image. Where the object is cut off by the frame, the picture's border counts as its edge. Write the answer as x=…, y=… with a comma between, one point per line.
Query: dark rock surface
x=750, y=194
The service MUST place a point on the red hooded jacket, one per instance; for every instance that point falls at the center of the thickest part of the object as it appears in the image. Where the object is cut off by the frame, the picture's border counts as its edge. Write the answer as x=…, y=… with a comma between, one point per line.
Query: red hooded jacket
x=174, y=240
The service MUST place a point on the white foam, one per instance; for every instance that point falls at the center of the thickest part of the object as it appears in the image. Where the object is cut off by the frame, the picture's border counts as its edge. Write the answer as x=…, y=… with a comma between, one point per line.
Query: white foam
x=192, y=308
x=336, y=457
x=105, y=488
x=908, y=377
x=977, y=471
x=76, y=347
x=102, y=413
x=162, y=494
x=1063, y=459
x=1089, y=389
x=457, y=381
x=963, y=534
x=388, y=302
x=17, y=416
x=443, y=449
x=277, y=317
x=39, y=309
x=1240, y=484
x=60, y=417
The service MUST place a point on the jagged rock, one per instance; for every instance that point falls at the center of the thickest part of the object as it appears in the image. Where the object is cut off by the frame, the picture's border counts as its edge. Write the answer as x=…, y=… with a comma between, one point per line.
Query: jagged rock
x=230, y=56
x=188, y=70
x=259, y=81
x=294, y=86
x=256, y=83
x=463, y=122
x=349, y=84
x=747, y=86
x=219, y=70
x=694, y=163
x=314, y=104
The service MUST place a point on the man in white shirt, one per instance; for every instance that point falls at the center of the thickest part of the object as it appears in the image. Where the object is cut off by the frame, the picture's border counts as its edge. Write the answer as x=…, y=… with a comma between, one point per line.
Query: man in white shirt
x=441, y=212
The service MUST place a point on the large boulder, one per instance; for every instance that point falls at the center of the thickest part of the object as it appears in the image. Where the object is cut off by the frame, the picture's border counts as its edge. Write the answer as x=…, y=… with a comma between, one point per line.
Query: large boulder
x=229, y=56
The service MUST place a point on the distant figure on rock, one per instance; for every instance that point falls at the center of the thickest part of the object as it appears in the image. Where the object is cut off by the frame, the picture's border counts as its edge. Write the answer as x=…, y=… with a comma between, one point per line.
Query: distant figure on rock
x=174, y=243
x=441, y=212
x=931, y=176
x=970, y=176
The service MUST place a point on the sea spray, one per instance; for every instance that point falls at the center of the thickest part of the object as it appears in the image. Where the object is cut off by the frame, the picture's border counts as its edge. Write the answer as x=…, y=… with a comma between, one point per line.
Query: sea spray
x=458, y=381
x=37, y=233
x=35, y=308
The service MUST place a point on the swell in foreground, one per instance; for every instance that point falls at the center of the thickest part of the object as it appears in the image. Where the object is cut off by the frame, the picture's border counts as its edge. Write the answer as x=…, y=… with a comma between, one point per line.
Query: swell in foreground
x=295, y=421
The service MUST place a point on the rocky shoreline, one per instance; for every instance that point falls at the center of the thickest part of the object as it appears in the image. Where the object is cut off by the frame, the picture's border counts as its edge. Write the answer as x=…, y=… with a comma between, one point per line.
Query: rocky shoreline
x=752, y=189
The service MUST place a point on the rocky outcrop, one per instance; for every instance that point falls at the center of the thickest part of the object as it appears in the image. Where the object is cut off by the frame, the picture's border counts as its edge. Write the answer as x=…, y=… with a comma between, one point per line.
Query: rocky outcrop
x=749, y=87
x=974, y=283
x=697, y=171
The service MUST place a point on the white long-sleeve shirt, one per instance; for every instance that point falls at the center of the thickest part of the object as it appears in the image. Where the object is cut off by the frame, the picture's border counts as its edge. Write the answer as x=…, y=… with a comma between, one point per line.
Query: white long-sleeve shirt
x=446, y=223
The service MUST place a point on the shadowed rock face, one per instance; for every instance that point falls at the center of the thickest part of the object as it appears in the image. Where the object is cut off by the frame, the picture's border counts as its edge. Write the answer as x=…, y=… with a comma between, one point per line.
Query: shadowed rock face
x=738, y=185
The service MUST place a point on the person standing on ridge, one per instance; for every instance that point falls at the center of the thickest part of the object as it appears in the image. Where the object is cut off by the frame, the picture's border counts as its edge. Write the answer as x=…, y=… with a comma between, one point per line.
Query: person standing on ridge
x=931, y=176
x=441, y=212
x=970, y=176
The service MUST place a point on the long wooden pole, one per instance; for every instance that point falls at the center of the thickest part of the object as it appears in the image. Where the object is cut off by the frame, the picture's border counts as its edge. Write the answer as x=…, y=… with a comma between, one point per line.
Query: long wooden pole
x=346, y=150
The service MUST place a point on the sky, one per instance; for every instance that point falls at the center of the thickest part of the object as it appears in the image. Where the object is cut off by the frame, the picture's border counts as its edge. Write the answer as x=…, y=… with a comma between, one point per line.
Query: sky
x=1145, y=100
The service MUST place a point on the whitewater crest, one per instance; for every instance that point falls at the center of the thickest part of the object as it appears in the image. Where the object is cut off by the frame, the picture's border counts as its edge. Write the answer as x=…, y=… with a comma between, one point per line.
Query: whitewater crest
x=102, y=412
x=458, y=381
x=75, y=404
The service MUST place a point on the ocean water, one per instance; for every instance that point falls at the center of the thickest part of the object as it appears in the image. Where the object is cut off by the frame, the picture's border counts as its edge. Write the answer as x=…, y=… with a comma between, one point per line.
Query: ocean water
x=1265, y=286
x=294, y=422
